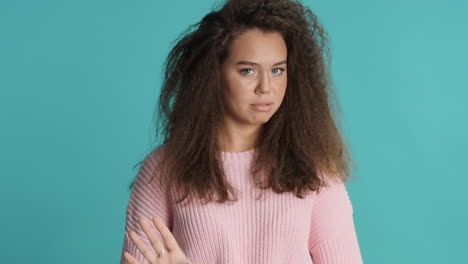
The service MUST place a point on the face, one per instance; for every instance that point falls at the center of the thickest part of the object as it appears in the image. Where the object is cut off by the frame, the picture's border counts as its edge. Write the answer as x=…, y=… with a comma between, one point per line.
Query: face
x=254, y=73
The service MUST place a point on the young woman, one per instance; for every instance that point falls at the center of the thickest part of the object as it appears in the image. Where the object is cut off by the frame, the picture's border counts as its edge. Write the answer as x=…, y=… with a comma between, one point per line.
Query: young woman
x=253, y=166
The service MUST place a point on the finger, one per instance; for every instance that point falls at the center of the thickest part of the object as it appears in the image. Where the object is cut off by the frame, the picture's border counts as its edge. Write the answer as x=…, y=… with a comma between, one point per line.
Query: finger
x=151, y=234
x=144, y=249
x=169, y=240
x=130, y=259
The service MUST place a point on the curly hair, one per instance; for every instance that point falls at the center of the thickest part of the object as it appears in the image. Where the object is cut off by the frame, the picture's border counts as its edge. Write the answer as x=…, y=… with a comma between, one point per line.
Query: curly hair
x=297, y=147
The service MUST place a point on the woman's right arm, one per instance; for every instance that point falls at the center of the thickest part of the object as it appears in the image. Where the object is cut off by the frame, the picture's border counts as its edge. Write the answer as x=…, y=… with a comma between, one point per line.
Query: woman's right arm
x=146, y=200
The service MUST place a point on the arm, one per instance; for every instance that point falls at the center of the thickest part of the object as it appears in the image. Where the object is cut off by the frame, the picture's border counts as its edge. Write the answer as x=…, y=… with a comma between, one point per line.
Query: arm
x=145, y=200
x=333, y=238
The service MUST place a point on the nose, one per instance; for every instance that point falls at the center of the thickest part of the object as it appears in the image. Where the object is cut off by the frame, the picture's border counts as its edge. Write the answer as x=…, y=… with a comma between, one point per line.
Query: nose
x=263, y=86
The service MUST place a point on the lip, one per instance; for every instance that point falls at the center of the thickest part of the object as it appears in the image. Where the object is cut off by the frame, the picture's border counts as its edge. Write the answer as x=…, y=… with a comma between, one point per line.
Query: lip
x=263, y=103
x=262, y=107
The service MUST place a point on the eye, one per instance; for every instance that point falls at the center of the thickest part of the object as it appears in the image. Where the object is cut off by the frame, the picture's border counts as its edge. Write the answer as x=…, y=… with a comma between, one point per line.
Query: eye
x=246, y=69
x=282, y=70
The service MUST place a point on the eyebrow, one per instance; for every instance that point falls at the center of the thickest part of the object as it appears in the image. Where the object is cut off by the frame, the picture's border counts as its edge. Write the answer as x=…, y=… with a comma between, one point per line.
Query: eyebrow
x=253, y=63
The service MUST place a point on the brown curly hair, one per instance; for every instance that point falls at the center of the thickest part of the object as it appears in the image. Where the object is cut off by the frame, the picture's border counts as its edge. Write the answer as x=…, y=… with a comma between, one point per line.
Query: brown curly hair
x=299, y=143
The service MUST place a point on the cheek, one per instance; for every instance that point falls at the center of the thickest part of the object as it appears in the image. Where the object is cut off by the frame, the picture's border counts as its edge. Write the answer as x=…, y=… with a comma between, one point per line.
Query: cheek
x=284, y=86
x=285, y=81
x=236, y=97
x=240, y=97
x=239, y=92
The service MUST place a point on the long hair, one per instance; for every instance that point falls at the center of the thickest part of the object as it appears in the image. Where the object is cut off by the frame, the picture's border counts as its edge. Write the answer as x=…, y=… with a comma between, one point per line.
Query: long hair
x=300, y=144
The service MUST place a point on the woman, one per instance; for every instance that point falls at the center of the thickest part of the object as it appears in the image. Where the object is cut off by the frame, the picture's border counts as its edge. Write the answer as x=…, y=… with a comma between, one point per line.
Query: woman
x=253, y=166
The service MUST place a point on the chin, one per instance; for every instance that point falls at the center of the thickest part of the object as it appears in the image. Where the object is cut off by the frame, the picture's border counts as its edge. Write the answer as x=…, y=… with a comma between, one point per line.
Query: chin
x=260, y=122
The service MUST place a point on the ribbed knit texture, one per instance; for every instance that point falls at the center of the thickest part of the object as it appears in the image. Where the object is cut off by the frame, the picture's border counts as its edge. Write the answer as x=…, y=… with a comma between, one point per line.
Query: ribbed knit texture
x=278, y=228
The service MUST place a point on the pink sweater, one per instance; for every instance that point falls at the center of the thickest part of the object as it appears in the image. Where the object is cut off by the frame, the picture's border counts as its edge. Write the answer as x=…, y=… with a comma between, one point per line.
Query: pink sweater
x=278, y=228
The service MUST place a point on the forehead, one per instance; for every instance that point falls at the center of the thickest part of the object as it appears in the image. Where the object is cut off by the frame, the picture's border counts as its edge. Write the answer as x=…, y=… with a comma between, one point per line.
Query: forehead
x=259, y=46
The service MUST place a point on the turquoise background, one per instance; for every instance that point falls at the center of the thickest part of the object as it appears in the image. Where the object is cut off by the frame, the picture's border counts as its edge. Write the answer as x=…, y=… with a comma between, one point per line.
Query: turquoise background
x=79, y=82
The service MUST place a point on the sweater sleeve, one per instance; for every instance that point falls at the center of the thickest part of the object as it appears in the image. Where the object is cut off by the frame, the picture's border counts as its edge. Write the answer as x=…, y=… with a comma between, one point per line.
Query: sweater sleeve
x=145, y=200
x=333, y=238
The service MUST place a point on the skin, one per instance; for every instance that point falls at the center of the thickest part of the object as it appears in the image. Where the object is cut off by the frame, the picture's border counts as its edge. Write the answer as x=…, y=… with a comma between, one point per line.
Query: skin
x=263, y=78
x=168, y=250
x=246, y=84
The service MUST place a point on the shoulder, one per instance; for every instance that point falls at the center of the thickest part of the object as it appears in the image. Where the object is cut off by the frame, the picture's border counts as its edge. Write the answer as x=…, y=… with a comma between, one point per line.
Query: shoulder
x=157, y=152
x=153, y=158
x=149, y=167
x=334, y=194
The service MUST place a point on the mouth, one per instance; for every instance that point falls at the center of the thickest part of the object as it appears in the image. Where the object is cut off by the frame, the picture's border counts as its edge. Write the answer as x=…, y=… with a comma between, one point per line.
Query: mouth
x=264, y=107
x=264, y=103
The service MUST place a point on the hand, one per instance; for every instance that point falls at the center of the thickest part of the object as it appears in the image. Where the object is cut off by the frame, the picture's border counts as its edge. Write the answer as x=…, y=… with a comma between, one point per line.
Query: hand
x=168, y=252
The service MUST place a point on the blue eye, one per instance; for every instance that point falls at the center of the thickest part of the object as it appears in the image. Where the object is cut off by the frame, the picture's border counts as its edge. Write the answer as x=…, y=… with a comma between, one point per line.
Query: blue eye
x=282, y=70
x=248, y=69
x=242, y=71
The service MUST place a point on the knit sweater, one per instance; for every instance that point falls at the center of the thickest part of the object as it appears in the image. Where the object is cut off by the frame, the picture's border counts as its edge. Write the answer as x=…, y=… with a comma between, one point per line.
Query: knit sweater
x=278, y=228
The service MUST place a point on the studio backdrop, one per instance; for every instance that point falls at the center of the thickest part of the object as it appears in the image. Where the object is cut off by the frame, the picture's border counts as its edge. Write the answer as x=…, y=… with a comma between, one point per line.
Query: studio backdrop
x=79, y=82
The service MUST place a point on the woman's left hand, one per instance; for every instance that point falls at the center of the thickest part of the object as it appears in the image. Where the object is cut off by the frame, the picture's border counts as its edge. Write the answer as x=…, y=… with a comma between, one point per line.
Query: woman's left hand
x=168, y=252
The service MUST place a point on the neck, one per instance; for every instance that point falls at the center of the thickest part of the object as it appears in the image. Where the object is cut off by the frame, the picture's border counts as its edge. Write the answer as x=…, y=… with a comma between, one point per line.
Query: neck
x=238, y=139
